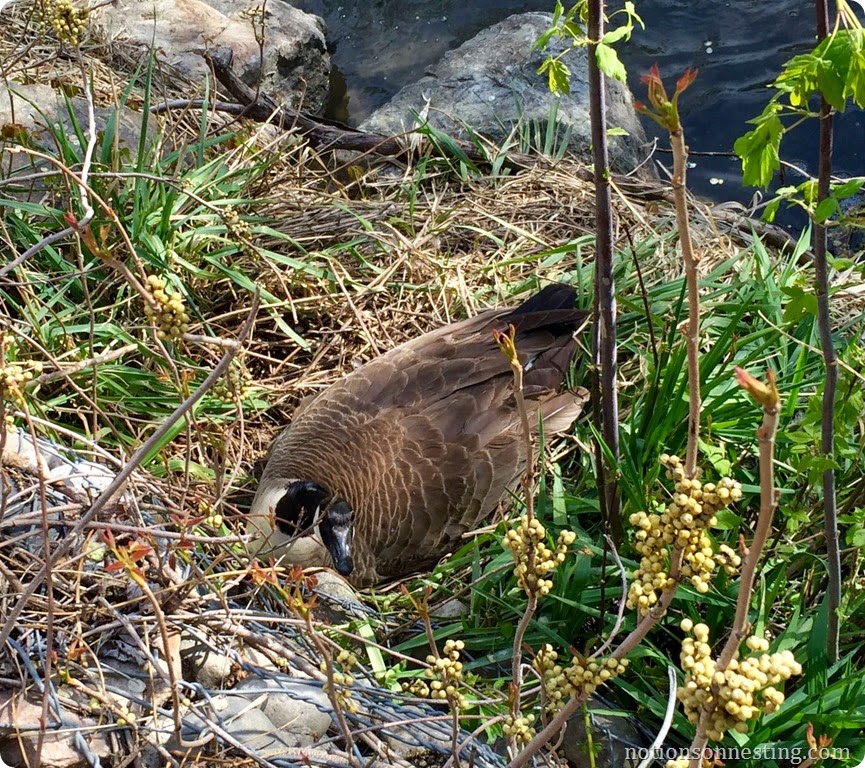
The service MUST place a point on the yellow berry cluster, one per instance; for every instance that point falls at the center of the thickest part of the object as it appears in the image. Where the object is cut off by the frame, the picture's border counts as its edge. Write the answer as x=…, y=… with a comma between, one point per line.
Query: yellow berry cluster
x=534, y=559
x=235, y=225
x=237, y=382
x=169, y=314
x=344, y=679
x=520, y=729
x=13, y=377
x=684, y=522
x=125, y=716
x=581, y=677
x=743, y=690
x=210, y=517
x=417, y=687
x=729, y=559
x=446, y=675
x=65, y=20
x=239, y=230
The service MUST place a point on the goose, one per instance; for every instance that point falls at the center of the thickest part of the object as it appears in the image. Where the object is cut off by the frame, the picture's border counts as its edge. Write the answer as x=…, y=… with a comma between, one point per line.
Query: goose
x=381, y=474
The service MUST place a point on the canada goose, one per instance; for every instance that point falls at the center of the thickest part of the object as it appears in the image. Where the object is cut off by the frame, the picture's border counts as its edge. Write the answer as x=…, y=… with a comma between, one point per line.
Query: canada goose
x=383, y=472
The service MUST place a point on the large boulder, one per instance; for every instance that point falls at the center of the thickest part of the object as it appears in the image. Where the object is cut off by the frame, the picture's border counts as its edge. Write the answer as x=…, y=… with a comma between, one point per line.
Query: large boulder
x=292, y=64
x=34, y=115
x=491, y=83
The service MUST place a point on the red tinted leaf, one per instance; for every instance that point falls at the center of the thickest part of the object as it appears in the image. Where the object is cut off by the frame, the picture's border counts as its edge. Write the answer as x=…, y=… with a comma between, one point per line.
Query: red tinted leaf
x=686, y=79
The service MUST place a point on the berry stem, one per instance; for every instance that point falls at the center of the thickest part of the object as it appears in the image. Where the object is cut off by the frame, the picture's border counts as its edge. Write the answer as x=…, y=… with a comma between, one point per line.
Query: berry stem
x=768, y=503
x=692, y=334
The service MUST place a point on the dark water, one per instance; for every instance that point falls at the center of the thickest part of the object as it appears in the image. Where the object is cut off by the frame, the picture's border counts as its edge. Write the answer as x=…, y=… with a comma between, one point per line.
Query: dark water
x=738, y=46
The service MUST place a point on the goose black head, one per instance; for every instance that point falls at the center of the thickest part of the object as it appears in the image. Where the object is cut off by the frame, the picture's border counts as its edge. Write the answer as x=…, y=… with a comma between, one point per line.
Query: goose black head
x=299, y=507
x=306, y=507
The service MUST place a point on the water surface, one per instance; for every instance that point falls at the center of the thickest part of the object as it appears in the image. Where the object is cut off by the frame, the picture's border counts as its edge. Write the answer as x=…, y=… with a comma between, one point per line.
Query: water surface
x=738, y=46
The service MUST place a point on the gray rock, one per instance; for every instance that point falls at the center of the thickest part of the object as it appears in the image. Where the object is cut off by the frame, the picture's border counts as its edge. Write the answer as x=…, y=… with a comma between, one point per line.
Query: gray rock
x=450, y=609
x=64, y=747
x=338, y=602
x=255, y=730
x=35, y=107
x=123, y=683
x=38, y=111
x=243, y=721
x=424, y=740
x=259, y=659
x=332, y=586
x=491, y=83
x=149, y=757
x=300, y=709
x=242, y=716
x=294, y=67
x=206, y=666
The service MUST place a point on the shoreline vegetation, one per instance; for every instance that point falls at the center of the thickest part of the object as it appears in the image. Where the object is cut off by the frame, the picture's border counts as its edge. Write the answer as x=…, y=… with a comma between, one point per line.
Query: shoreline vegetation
x=171, y=292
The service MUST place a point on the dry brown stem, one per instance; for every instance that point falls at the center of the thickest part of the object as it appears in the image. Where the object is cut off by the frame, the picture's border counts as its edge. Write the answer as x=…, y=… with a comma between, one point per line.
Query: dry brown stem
x=768, y=398
x=692, y=334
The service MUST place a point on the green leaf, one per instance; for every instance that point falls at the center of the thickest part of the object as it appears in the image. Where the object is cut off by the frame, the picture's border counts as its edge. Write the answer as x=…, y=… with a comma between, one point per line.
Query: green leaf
x=543, y=40
x=839, y=67
x=190, y=469
x=855, y=87
x=559, y=76
x=758, y=149
x=825, y=209
x=631, y=12
x=376, y=661
x=609, y=63
x=771, y=210
x=841, y=264
x=717, y=457
x=856, y=537
x=727, y=520
x=801, y=303
x=166, y=440
x=576, y=32
x=815, y=670
x=809, y=191
x=560, y=507
x=787, y=192
x=799, y=78
x=815, y=466
x=614, y=35
x=616, y=131
x=832, y=84
x=848, y=188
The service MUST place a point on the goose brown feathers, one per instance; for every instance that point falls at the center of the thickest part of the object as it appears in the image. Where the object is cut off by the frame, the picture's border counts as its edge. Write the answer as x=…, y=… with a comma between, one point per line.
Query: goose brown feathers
x=385, y=470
